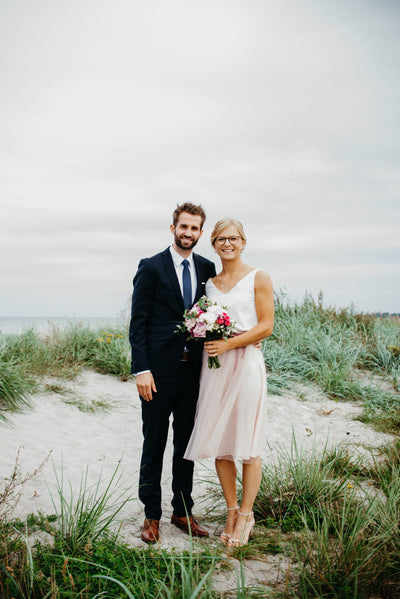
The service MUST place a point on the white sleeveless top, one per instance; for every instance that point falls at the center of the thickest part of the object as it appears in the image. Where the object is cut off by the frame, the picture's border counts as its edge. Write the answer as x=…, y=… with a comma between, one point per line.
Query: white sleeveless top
x=239, y=301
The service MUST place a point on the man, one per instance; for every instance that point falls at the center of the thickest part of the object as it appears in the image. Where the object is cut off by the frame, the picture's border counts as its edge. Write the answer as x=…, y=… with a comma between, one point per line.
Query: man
x=167, y=367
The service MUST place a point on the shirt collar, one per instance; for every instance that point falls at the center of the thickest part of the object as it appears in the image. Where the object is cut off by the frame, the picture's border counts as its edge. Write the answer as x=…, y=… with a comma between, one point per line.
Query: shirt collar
x=177, y=258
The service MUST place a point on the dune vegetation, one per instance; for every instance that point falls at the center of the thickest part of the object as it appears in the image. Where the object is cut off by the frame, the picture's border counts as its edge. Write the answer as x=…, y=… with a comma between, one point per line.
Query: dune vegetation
x=26, y=358
x=349, y=356
x=332, y=514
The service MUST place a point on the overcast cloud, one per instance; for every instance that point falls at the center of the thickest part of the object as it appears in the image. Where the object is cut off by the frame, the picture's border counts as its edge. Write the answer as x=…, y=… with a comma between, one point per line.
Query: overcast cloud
x=281, y=113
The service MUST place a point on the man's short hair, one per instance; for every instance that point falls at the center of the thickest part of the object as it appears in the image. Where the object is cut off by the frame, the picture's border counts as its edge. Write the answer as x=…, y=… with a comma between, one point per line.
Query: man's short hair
x=191, y=209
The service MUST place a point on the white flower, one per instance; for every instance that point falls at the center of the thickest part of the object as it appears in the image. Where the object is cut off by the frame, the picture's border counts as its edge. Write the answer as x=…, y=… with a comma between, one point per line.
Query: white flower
x=209, y=317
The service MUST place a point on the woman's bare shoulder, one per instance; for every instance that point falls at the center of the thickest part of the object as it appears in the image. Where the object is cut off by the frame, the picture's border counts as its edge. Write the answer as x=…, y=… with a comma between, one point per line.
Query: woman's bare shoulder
x=262, y=279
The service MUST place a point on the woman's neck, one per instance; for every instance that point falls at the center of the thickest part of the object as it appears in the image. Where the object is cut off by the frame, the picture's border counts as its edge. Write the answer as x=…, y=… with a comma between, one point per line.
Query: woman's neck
x=232, y=267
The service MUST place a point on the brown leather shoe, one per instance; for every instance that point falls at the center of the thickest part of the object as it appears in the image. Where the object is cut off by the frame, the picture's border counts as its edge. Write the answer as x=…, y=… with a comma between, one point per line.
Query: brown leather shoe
x=192, y=527
x=150, y=532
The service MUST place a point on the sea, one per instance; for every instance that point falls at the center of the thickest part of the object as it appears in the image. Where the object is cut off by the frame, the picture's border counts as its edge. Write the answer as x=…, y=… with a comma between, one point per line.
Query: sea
x=11, y=325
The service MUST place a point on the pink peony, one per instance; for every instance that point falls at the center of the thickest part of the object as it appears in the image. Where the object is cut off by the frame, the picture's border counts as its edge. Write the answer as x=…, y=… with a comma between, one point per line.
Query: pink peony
x=190, y=323
x=199, y=330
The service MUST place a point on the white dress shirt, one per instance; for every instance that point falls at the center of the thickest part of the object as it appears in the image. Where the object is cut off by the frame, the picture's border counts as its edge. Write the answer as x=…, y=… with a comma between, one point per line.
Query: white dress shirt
x=177, y=260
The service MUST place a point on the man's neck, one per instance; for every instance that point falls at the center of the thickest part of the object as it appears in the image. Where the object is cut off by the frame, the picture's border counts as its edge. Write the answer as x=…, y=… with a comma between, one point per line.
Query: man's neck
x=181, y=252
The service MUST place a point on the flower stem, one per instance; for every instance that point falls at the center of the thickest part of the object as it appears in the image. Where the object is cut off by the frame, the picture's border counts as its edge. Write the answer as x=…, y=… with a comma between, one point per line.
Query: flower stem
x=213, y=362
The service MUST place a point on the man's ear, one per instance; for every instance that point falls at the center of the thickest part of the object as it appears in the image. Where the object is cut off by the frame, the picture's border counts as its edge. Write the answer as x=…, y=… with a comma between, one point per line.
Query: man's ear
x=172, y=229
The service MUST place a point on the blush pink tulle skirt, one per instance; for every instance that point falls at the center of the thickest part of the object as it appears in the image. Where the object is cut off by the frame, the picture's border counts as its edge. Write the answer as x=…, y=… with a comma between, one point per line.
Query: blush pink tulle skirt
x=230, y=416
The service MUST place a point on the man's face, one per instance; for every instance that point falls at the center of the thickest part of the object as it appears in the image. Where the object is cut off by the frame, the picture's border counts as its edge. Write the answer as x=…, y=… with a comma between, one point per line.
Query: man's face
x=187, y=231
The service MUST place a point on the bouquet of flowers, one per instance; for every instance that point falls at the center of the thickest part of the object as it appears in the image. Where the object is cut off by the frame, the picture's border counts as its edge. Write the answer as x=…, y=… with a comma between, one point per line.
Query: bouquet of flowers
x=207, y=321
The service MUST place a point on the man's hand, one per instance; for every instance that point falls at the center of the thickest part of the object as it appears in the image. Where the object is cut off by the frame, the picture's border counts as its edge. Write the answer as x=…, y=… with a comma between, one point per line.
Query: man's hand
x=145, y=385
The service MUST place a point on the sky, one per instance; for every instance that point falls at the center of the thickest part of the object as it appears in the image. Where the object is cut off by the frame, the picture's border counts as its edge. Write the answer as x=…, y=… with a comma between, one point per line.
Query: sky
x=281, y=113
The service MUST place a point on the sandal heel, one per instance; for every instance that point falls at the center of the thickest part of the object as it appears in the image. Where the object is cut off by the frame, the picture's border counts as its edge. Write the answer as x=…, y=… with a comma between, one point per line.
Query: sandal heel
x=245, y=534
x=224, y=537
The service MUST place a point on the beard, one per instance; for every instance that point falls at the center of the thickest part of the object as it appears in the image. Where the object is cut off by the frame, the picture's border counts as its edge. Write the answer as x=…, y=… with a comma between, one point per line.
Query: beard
x=189, y=245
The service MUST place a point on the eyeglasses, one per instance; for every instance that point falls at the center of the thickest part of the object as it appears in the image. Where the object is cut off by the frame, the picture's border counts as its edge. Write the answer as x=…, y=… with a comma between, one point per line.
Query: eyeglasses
x=223, y=240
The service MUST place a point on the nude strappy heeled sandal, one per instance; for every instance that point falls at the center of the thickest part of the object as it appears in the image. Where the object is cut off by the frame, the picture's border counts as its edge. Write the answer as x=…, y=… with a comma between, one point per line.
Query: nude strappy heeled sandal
x=244, y=536
x=225, y=536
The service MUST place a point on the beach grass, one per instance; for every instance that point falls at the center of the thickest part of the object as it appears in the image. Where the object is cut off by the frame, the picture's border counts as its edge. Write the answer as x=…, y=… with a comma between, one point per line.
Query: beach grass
x=333, y=514
x=62, y=353
x=336, y=516
x=300, y=485
x=84, y=556
x=347, y=356
x=333, y=517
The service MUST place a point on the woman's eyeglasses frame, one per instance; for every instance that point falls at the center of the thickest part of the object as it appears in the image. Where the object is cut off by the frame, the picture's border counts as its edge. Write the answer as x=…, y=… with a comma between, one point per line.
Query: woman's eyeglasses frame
x=233, y=240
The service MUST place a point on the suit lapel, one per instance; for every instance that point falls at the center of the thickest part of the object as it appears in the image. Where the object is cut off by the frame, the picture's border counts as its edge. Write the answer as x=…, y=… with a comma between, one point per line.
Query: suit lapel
x=201, y=279
x=170, y=270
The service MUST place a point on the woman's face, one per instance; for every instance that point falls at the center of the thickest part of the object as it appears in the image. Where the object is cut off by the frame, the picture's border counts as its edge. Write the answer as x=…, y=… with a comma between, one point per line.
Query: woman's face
x=229, y=244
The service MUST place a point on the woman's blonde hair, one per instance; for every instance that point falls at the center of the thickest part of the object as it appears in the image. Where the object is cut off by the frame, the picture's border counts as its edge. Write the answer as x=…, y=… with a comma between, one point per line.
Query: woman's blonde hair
x=223, y=224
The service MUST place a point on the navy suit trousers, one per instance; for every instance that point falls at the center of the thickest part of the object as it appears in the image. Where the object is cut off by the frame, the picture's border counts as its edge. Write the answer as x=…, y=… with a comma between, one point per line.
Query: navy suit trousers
x=177, y=395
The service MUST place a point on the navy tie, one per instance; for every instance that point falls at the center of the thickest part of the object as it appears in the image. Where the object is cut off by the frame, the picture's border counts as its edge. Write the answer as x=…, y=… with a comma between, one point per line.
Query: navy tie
x=187, y=285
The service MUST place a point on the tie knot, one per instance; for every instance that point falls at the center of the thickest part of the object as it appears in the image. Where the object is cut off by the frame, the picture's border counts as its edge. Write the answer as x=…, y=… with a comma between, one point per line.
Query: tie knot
x=185, y=263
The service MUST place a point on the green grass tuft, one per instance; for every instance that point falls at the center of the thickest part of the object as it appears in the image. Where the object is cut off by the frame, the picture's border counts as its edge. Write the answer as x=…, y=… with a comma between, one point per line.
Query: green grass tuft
x=336, y=350
x=26, y=358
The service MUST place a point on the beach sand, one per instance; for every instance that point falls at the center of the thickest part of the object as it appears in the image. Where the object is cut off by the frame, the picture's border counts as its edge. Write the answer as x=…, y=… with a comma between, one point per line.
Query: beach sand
x=95, y=443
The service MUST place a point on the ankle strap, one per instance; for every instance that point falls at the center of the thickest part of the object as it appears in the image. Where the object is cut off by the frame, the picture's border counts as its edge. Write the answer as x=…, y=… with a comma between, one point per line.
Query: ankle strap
x=242, y=514
x=228, y=509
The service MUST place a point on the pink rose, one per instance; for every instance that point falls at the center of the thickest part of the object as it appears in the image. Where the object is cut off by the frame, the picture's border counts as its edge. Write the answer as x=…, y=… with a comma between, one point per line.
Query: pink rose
x=220, y=320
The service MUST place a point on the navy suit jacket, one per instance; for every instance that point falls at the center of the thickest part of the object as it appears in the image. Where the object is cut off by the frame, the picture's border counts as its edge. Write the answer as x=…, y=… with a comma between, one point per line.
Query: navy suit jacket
x=157, y=309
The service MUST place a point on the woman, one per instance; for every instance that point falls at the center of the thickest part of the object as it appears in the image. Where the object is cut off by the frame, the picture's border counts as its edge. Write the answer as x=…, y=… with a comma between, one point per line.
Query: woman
x=229, y=420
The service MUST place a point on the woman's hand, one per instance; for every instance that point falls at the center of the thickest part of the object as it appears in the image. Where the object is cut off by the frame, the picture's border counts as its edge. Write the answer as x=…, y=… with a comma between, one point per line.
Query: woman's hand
x=219, y=346
x=216, y=347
